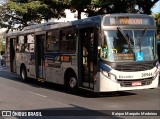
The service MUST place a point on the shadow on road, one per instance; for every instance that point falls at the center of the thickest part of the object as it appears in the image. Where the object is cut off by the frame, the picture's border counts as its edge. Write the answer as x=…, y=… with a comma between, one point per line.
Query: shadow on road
x=60, y=88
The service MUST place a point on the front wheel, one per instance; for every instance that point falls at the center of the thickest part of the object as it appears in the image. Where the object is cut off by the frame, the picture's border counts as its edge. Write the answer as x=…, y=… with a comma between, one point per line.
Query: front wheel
x=23, y=74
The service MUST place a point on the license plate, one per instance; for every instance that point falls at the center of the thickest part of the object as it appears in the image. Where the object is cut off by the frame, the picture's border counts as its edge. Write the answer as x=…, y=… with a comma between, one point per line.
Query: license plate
x=138, y=83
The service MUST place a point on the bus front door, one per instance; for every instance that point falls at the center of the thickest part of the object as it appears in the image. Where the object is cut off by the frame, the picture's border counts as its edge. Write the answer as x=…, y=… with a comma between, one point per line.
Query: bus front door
x=39, y=53
x=87, y=56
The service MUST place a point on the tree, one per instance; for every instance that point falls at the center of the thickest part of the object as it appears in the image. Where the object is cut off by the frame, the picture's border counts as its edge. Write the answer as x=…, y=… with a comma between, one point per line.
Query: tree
x=54, y=8
x=157, y=18
x=80, y=6
x=121, y=6
x=111, y=6
x=15, y=14
x=2, y=44
x=145, y=6
x=22, y=13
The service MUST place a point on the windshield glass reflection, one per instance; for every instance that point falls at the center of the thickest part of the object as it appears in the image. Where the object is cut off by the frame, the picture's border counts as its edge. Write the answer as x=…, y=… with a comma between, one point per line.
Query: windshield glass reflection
x=128, y=45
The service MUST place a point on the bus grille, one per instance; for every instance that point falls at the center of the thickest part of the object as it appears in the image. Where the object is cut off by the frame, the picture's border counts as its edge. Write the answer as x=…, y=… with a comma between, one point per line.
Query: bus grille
x=134, y=67
x=128, y=83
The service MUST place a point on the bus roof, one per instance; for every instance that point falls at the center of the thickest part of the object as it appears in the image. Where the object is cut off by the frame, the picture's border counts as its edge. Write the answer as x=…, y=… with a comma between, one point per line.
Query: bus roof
x=56, y=25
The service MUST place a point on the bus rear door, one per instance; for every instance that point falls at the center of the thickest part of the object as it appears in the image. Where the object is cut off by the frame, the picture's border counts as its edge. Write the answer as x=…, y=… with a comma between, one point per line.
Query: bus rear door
x=12, y=43
x=39, y=53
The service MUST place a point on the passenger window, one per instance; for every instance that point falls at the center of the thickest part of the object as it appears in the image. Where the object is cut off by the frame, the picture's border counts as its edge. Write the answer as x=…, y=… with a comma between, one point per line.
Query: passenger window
x=52, y=41
x=30, y=43
x=20, y=44
x=68, y=41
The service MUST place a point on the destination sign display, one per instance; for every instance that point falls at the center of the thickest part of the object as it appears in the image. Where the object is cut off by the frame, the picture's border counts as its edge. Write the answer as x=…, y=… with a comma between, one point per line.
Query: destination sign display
x=128, y=21
x=122, y=56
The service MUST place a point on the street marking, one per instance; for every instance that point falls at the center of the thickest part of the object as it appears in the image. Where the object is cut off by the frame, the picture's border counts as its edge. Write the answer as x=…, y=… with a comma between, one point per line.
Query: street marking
x=37, y=94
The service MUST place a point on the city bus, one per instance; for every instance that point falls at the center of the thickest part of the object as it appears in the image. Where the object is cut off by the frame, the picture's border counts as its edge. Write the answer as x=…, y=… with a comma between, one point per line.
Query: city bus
x=104, y=53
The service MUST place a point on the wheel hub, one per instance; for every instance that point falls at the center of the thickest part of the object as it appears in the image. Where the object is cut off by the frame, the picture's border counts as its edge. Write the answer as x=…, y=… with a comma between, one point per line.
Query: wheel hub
x=72, y=82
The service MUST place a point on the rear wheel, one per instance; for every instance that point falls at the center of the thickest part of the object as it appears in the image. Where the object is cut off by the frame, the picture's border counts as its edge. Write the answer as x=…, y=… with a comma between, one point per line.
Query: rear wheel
x=72, y=83
x=23, y=73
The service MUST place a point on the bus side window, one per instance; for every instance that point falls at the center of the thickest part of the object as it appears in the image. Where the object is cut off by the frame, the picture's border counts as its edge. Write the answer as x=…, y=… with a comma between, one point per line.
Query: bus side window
x=26, y=47
x=31, y=48
x=52, y=43
x=21, y=44
x=18, y=48
x=68, y=41
x=30, y=43
x=22, y=47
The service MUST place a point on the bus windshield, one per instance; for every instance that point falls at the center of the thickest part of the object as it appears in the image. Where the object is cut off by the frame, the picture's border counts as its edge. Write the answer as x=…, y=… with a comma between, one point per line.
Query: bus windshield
x=128, y=45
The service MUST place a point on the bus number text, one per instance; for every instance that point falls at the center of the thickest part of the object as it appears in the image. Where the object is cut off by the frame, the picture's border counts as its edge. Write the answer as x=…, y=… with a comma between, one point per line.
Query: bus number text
x=146, y=74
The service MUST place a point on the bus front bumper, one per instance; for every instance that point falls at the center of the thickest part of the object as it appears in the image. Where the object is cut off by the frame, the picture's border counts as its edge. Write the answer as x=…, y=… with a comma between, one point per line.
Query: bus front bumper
x=104, y=84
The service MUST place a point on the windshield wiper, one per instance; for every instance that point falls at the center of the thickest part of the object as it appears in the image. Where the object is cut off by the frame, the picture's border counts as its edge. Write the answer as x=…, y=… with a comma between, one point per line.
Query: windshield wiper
x=141, y=38
x=126, y=38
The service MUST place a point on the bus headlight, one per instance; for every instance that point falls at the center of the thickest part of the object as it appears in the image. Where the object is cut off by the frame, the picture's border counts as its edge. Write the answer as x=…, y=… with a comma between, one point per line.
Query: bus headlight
x=158, y=66
x=109, y=75
x=106, y=74
x=155, y=73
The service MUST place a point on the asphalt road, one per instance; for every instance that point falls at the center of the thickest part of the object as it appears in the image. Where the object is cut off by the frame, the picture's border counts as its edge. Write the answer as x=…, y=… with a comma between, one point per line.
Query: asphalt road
x=35, y=96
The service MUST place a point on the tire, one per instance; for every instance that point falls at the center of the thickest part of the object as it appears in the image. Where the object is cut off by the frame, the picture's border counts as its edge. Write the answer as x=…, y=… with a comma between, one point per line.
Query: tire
x=23, y=73
x=72, y=83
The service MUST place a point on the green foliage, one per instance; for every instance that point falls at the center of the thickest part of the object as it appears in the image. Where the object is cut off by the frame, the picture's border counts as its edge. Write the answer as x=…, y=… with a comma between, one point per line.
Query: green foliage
x=96, y=7
x=19, y=13
x=157, y=18
x=111, y=6
x=54, y=8
x=28, y=12
x=146, y=5
x=80, y=6
x=2, y=44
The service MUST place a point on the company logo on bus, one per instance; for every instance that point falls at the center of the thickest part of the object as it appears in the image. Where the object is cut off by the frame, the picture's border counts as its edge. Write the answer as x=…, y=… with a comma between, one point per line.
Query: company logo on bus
x=125, y=77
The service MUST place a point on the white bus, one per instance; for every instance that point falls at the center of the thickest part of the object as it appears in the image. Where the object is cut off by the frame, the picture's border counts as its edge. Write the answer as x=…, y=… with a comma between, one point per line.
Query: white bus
x=113, y=52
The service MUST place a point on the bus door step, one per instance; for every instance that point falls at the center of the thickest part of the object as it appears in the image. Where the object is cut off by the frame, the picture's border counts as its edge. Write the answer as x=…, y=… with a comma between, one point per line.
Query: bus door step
x=41, y=79
x=84, y=88
x=88, y=85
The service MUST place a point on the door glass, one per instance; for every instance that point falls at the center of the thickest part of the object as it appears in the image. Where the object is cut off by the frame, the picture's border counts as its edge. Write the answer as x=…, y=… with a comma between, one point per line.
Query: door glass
x=88, y=53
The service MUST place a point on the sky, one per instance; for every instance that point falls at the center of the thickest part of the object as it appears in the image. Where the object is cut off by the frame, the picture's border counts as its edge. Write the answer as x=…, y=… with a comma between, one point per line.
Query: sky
x=156, y=8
